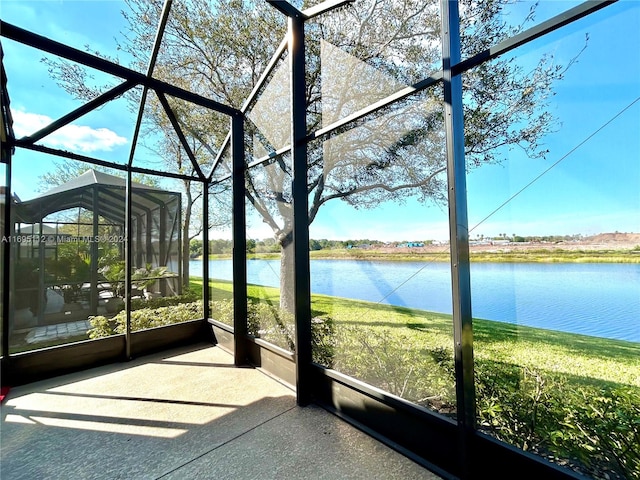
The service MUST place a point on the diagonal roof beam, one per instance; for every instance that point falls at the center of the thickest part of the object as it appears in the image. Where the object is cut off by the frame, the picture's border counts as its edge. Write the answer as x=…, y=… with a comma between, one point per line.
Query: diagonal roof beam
x=267, y=71
x=103, y=163
x=254, y=93
x=324, y=7
x=290, y=11
x=79, y=112
x=285, y=7
x=152, y=63
x=181, y=137
x=25, y=37
x=164, y=18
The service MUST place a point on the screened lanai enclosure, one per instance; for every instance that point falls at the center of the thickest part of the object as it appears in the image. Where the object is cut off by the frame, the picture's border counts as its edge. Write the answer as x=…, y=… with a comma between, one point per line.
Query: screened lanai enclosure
x=68, y=264
x=423, y=216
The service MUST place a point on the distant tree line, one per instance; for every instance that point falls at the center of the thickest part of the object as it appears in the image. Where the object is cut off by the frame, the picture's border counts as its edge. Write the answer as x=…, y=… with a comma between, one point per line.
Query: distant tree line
x=269, y=245
x=530, y=238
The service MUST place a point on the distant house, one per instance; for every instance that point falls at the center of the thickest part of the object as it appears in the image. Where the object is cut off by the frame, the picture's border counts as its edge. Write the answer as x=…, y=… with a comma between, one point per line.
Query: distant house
x=410, y=245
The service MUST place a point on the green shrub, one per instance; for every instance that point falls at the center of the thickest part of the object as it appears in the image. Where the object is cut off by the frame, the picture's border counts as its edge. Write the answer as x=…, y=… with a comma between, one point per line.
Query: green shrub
x=157, y=317
x=144, y=318
x=602, y=427
x=276, y=326
x=139, y=303
x=222, y=310
x=272, y=324
x=323, y=340
x=399, y=364
x=584, y=424
x=593, y=428
x=101, y=326
x=513, y=403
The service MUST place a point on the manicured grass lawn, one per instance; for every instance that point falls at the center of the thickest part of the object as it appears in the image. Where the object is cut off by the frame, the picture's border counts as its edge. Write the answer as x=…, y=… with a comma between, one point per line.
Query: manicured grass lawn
x=580, y=356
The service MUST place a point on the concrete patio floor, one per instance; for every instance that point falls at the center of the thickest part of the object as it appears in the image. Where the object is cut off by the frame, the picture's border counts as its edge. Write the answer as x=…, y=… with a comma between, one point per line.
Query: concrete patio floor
x=182, y=414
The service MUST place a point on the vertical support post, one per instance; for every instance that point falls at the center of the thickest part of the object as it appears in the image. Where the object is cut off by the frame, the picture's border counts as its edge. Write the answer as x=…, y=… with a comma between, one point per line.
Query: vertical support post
x=205, y=250
x=42, y=292
x=128, y=262
x=149, y=243
x=6, y=265
x=458, y=230
x=162, y=246
x=180, y=266
x=138, y=230
x=301, y=273
x=93, y=295
x=239, y=242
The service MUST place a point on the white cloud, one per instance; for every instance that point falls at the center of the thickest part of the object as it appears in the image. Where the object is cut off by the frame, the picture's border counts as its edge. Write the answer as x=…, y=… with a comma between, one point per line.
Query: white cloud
x=77, y=138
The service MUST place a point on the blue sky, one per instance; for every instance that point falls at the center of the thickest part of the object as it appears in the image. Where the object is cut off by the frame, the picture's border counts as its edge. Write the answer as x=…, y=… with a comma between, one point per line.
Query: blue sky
x=594, y=189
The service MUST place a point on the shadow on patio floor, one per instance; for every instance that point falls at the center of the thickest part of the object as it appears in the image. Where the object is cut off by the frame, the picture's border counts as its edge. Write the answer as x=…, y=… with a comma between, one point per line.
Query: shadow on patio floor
x=182, y=414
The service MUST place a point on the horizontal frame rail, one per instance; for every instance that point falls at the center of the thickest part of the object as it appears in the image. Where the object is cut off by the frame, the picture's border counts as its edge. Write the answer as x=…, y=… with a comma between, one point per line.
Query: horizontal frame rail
x=25, y=37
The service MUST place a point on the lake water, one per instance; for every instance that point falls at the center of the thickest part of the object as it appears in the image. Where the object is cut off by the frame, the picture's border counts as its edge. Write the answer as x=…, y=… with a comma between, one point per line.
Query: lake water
x=592, y=299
